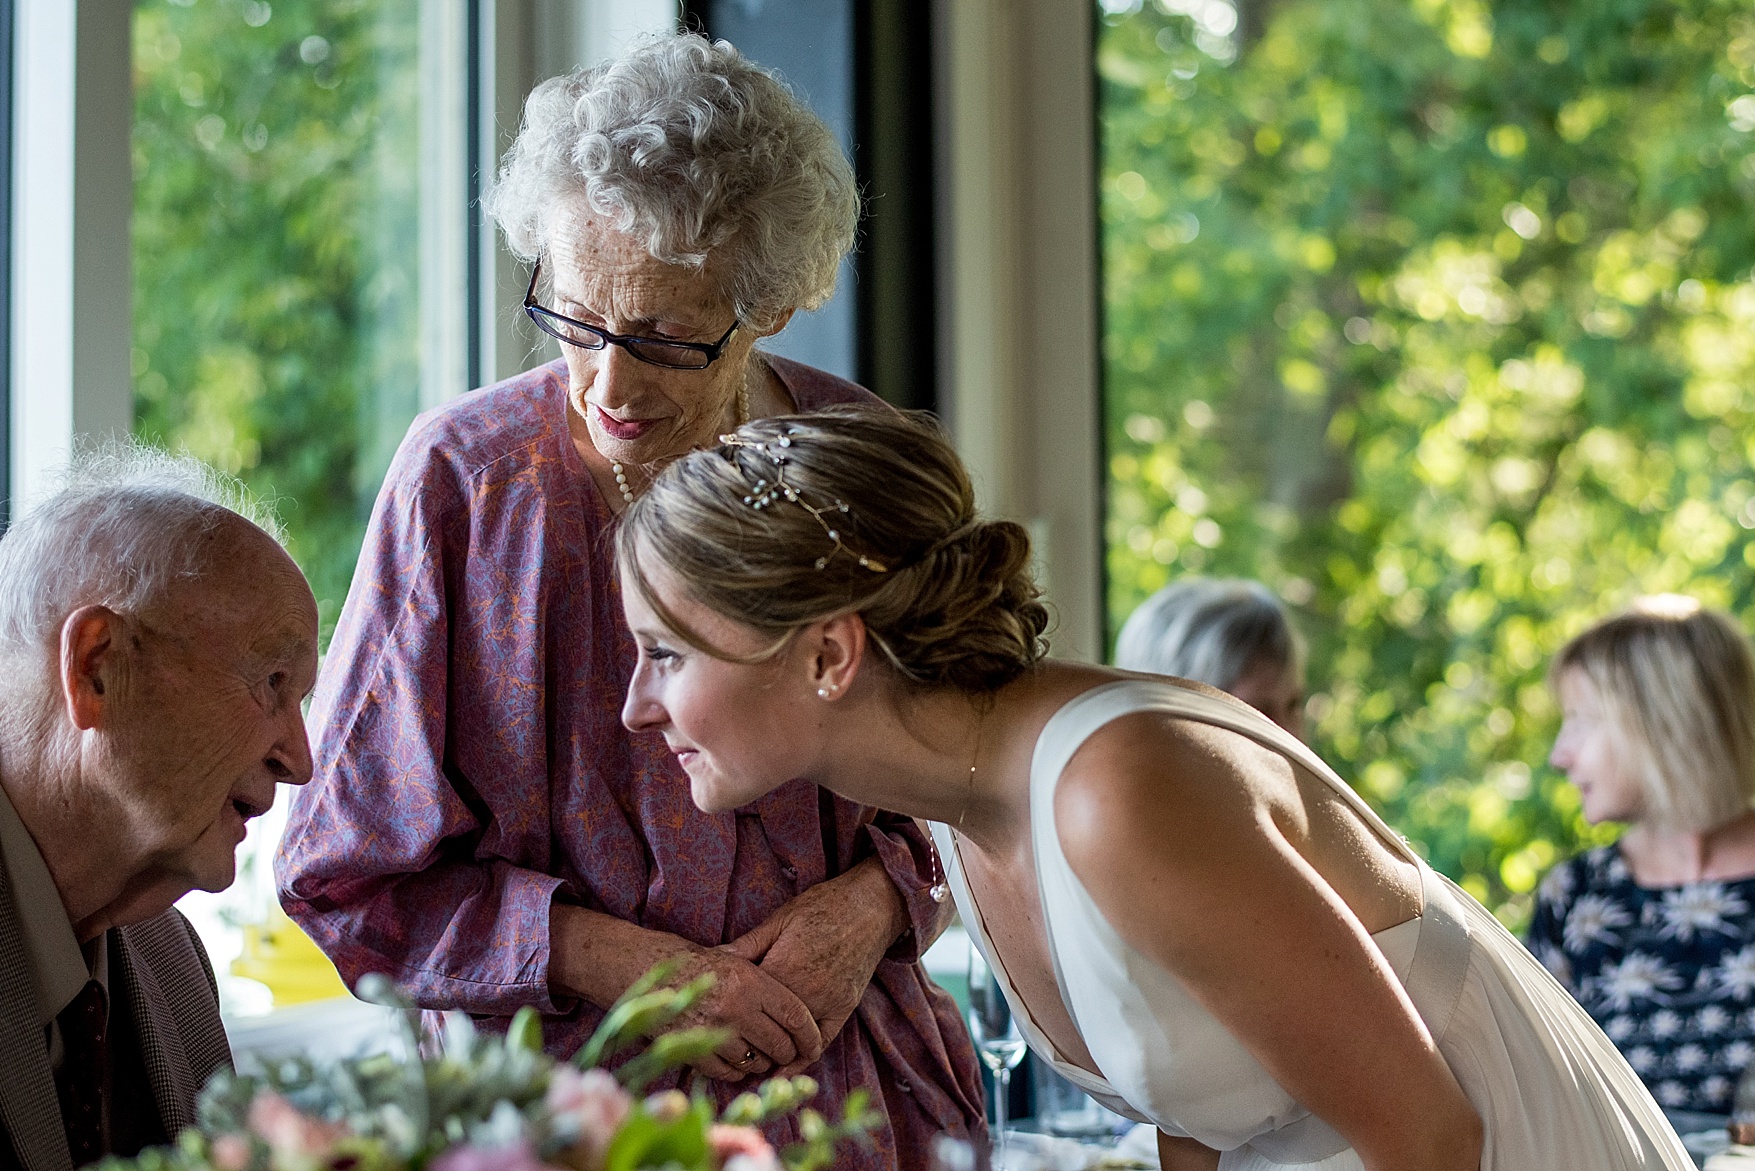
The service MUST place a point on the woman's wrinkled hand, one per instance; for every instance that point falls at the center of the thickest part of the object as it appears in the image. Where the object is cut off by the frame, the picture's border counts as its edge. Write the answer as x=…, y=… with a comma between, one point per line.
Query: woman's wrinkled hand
x=770, y=1026
x=825, y=944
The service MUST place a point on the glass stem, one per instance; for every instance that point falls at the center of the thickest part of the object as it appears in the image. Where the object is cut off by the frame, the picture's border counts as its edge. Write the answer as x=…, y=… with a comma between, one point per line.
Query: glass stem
x=1002, y=1083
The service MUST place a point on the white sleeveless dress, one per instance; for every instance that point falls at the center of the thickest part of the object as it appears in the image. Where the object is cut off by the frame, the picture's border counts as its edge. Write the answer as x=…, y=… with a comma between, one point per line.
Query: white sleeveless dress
x=1554, y=1094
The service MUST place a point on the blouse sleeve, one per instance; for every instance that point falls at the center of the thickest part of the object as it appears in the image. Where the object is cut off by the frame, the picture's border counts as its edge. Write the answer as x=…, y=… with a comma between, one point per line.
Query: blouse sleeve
x=379, y=863
x=911, y=862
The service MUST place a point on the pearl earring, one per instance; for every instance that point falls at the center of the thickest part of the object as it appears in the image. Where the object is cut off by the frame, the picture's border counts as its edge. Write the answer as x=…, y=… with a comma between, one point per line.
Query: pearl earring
x=827, y=690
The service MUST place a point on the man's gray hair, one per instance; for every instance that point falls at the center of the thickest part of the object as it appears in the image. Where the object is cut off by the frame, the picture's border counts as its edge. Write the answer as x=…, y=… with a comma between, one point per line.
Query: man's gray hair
x=689, y=147
x=1211, y=630
x=120, y=527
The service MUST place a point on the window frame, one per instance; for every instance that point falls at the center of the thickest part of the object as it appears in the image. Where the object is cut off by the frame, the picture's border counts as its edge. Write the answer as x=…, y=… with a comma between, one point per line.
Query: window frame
x=69, y=236
x=69, y=243
x=6, y=141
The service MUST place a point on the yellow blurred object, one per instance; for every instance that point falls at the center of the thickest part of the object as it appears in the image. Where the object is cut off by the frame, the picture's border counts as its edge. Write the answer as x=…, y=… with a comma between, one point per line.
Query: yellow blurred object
x=278, y=954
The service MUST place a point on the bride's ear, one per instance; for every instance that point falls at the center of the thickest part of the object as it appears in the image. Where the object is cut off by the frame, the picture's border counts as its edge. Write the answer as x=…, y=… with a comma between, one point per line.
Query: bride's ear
x=838, y=648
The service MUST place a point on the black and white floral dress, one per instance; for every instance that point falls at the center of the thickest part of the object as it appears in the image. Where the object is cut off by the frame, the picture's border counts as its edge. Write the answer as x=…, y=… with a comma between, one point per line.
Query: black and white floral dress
x=1668, y=972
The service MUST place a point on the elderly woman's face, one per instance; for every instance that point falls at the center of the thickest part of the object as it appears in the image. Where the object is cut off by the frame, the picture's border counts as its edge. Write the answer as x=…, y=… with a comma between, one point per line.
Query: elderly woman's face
x=634, y=412
x=1275, y=691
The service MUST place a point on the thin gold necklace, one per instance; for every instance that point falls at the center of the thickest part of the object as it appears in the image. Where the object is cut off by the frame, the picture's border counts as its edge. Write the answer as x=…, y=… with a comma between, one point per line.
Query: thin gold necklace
x=940, y=888
x=974, y=759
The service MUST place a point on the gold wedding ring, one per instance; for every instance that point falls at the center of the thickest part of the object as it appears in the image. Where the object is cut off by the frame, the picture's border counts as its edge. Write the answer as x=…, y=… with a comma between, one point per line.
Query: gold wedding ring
x=749, y=1055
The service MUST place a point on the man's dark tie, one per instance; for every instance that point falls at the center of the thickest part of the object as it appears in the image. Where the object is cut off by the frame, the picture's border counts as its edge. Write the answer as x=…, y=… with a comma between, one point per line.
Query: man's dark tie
x=84, y=1065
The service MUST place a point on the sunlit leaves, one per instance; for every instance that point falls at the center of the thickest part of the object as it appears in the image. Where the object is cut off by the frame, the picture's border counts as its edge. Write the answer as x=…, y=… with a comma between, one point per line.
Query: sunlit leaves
x=1460, y=295
x=275, y=212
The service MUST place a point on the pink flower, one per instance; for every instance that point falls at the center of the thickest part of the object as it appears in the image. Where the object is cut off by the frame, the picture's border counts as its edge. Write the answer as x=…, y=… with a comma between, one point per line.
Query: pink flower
x=519, y=1157
x=593, y=1098
x=296, y=1139
x=741, y=1148
x=593, y=1103
x=231, y=1152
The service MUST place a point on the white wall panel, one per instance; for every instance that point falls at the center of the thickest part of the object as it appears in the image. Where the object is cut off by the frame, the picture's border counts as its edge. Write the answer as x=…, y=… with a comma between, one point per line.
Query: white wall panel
x=1018, y=280
x=72, y=200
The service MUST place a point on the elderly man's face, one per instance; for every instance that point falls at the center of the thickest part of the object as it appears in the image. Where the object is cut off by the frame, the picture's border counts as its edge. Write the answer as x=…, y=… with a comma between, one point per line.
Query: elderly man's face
x=208, y=718
x=634, y=412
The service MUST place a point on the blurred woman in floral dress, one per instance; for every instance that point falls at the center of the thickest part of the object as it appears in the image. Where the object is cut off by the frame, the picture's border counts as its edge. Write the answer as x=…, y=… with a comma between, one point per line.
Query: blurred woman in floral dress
x=1655, y=934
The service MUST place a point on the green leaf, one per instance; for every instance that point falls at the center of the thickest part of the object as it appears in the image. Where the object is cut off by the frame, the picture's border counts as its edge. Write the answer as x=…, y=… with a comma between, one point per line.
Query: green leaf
x=645, y=1142
x=743, y=1110
x=668, y=1052
x=640, y=1012
x=525, y=1031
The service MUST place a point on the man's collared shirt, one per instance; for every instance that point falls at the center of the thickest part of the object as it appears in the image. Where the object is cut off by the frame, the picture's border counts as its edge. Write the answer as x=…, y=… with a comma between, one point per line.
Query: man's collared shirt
x=58, y=965
x=61, y=970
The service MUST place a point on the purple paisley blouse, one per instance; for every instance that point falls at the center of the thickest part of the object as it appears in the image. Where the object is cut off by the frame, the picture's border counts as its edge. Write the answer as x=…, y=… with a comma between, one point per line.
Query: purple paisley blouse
x=472, y=768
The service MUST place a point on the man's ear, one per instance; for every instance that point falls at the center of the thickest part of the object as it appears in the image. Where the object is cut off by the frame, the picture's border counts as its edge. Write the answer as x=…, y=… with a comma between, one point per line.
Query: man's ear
x=90, y=641
x=839, y=646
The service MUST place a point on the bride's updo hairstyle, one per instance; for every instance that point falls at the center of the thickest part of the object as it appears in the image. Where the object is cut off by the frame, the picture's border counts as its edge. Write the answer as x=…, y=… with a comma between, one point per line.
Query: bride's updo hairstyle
x=798, y=518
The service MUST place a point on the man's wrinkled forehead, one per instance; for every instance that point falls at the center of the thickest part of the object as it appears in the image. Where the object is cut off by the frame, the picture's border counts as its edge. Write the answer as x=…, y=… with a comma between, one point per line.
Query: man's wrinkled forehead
x=283, y=643
x=248, y=594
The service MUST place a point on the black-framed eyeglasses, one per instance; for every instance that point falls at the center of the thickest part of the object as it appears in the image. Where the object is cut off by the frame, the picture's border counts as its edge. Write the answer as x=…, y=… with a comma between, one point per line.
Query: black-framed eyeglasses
x=655, y=351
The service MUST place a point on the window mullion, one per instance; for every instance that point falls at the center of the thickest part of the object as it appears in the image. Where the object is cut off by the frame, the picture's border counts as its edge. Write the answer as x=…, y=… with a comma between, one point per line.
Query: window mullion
x=71, y=255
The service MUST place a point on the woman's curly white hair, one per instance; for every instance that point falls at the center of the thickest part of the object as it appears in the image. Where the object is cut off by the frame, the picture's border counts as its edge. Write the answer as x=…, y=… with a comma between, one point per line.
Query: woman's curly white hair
x=692, y=148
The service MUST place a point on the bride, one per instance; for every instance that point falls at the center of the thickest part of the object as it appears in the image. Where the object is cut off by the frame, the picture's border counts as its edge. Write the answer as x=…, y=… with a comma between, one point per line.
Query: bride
x=1193, y=917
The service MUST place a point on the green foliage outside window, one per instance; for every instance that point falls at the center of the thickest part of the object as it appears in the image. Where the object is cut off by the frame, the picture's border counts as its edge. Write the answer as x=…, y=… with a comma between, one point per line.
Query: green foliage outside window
x=1438, y=317
x=275, y=243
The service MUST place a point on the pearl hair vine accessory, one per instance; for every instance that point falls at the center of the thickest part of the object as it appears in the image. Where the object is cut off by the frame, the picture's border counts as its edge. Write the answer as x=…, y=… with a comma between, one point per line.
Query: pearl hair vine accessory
x=766, y=492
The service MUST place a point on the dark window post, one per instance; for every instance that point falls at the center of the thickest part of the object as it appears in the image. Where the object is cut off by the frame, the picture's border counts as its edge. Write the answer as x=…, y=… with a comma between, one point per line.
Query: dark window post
x=898, y=313
x=865, y=66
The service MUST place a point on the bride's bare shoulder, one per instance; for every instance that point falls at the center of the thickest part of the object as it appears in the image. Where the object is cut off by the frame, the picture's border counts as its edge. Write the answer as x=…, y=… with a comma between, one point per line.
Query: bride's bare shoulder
x=1055, y=682
x=1157, y=773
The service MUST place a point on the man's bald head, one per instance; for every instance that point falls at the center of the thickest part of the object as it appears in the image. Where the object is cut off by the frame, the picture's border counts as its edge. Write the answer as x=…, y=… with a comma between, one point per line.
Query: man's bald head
x=128, y=527
x=158, y=643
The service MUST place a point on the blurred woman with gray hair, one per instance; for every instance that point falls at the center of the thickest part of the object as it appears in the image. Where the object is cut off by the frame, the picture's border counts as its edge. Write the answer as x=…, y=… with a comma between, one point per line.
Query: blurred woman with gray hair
x=1229, y=633
x=481, y=827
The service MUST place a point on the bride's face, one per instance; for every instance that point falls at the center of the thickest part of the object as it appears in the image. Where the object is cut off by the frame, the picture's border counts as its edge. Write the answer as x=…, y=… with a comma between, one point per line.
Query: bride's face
x=738, y=730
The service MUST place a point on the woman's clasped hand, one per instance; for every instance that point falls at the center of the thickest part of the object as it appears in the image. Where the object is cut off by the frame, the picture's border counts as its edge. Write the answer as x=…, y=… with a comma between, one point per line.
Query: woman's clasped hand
x=770, y=1027
x=785, y=986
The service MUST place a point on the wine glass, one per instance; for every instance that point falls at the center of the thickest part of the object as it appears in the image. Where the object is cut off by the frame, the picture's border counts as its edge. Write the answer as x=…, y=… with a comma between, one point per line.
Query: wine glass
x=995, y=1034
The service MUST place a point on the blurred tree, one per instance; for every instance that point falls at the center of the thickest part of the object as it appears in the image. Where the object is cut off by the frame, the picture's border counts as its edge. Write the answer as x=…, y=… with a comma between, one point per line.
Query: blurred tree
x=1439, y=317
x=275, y=220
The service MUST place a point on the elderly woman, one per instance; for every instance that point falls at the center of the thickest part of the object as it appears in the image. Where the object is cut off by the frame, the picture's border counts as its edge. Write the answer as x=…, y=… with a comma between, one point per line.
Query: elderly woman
x=1655, y=934
x=481, y=826
x=1227, y=632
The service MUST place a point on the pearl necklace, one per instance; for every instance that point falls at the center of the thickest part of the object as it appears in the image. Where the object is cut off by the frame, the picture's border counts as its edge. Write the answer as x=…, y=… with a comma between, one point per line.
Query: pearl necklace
x=743, y=416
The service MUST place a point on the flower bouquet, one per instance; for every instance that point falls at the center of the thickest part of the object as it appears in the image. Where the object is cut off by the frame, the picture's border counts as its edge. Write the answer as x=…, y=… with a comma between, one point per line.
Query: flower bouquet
x=500, y=1104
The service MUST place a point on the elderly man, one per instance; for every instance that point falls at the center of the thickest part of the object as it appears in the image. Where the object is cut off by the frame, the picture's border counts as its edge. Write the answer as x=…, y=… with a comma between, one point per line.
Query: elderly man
x=154, y=649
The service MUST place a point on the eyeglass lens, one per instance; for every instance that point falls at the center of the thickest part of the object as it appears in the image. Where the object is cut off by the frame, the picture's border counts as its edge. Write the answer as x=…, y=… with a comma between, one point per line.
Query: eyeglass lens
x=658, y=353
